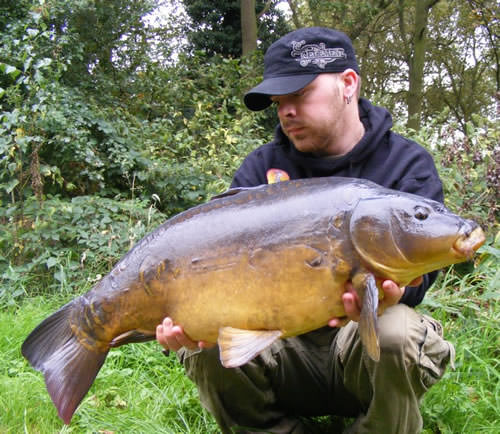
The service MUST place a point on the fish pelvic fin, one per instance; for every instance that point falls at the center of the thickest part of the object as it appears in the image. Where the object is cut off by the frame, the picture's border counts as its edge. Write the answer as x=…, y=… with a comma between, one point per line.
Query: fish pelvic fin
x=69, y=367
x=238, y=346
x=366, y=287
x=132, y=336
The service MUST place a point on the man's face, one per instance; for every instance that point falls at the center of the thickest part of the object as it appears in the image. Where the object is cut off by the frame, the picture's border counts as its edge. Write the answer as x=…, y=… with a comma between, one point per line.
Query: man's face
x=313, y=117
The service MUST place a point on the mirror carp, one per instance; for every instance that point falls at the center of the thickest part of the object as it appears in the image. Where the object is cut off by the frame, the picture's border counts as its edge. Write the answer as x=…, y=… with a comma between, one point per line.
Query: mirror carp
x=247, y=268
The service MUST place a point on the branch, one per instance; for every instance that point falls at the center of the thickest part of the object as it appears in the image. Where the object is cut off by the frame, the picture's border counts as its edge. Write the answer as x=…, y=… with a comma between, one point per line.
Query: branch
x=402, y=29
x=264, y=9
x=431, y=3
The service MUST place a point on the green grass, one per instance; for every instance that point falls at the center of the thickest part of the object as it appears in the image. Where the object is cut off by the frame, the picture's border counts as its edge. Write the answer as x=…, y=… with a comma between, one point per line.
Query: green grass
x=467, y=399
x=138, y=390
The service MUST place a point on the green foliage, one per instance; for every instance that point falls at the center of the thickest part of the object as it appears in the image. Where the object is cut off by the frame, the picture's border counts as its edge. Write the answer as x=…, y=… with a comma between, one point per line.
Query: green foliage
x=202, y=131
x=57, y=241
x=55, y=138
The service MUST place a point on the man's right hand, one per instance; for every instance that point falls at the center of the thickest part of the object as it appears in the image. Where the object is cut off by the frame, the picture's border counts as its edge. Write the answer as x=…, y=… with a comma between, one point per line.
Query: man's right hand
x=172, y=337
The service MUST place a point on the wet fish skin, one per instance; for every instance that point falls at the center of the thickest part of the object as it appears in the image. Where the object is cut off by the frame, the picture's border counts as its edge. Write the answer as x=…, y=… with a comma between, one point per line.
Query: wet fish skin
x=250, y=267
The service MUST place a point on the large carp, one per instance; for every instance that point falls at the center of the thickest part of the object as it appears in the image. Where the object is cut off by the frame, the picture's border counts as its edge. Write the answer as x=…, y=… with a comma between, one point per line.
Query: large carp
x=248, y=268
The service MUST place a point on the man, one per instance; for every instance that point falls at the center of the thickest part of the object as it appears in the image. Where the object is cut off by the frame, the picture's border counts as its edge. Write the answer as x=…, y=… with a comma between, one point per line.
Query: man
x=312, y=78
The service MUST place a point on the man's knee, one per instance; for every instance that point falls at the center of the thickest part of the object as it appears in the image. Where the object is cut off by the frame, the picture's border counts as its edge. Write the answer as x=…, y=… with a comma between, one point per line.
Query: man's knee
x=393, y=329
x=415, y=341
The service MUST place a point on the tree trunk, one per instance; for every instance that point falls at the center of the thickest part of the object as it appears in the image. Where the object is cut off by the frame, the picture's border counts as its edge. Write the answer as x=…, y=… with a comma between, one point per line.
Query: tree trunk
x=248, y=27
x=295, y=14
x=417, y=61
x=315, y=12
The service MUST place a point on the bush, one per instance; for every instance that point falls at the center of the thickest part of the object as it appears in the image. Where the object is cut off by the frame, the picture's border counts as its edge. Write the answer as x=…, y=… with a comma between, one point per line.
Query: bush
x=58, y=243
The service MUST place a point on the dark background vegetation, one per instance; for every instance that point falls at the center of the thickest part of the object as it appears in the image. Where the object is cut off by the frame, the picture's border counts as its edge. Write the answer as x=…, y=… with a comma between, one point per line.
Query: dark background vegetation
x=116, y=114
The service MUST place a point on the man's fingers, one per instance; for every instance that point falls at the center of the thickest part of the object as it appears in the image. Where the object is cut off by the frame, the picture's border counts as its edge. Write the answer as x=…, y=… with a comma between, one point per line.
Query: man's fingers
x=392, y=292
x=172, y=337
x=338, y=322
x=181, y=339
x=351, y=305
x=205, y=345
x=351, y=308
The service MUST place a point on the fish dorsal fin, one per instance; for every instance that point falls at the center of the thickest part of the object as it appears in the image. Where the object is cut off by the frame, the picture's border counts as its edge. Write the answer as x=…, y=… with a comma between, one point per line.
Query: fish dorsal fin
x=232, y=192
x=238, y=346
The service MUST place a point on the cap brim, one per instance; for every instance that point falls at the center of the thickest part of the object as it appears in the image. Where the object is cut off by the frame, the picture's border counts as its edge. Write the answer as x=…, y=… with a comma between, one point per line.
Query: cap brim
x=258, y=98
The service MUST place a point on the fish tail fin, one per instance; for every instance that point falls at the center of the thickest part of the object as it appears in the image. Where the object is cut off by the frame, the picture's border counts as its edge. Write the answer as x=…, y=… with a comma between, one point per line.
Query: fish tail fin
x=68, y=366
x=368, y=318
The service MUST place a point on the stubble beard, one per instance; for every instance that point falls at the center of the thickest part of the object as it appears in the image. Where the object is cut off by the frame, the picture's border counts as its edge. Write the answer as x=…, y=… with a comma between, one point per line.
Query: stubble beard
x=317, y=143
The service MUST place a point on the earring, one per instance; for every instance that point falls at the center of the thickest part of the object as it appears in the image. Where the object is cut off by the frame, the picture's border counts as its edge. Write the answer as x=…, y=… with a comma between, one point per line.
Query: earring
x=348, y=99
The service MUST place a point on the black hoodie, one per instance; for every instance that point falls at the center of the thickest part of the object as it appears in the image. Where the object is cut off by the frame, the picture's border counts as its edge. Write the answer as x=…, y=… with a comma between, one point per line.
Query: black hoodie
x=381, y=156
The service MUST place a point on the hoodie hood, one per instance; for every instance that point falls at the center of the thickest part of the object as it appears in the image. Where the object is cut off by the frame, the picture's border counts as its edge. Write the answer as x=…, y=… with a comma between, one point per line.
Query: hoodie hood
x=377, y=122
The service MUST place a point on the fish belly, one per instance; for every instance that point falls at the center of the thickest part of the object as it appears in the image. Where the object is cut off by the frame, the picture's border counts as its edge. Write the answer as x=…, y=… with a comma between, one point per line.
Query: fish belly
x=294, y=289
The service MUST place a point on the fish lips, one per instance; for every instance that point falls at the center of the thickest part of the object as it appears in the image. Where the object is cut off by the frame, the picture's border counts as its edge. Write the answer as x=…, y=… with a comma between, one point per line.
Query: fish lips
x=469, y=241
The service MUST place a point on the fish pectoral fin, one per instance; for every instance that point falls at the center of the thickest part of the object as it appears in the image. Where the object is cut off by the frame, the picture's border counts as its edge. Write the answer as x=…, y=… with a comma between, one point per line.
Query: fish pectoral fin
x=366, y=287
x=132, y=336
x=238, y=346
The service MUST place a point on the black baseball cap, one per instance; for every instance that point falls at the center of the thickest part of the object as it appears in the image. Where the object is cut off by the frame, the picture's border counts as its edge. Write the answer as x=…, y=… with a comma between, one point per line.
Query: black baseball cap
x=297, y=58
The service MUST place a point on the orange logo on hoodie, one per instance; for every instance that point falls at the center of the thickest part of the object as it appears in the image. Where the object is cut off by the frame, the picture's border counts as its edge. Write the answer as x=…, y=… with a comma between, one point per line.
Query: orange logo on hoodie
x=276, y=175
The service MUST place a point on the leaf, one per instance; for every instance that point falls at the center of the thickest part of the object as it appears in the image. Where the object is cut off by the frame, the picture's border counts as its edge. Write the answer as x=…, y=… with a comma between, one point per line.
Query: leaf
x=10, y=185
x=51, y=262
x=43, y=63
x=60, y=276
x=9, y=70
x=32, y=32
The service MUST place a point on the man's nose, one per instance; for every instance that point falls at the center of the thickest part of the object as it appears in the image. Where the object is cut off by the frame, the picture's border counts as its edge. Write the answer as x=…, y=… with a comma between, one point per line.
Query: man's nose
x=286, y=109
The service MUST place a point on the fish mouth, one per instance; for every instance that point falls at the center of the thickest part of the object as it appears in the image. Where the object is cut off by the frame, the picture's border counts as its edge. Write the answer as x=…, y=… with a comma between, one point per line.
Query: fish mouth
x=467, y=244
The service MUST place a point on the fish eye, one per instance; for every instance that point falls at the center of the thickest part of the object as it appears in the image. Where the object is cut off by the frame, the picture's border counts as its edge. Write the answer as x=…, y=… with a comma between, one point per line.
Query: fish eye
x=421, y=213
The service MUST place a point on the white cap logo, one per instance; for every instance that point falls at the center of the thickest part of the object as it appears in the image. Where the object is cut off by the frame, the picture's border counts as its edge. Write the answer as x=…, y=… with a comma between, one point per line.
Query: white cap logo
x=317, y=54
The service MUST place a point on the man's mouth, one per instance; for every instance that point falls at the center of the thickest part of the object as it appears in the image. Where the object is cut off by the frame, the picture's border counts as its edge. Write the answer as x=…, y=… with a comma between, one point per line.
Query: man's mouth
x=293, y=129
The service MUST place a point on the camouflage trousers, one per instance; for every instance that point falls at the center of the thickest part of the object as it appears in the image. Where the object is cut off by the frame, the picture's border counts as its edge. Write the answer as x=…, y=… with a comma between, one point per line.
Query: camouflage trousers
x=327, y=372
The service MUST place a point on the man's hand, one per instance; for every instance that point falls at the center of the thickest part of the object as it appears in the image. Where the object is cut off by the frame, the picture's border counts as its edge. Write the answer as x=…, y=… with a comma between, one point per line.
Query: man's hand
x=352, y=303
x=172, y=337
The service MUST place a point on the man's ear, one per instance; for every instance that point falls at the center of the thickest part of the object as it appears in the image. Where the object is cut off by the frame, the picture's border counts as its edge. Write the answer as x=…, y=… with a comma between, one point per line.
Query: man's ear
x=351, y=81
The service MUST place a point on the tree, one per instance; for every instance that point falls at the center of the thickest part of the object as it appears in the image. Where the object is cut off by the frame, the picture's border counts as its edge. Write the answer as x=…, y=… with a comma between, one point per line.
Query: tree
x=222, y=26
x=351, y=17
x=63, y=122
x=416, y=50
x=110, y=35
x=462, y=68
x=419, y=58
x=248, y=27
